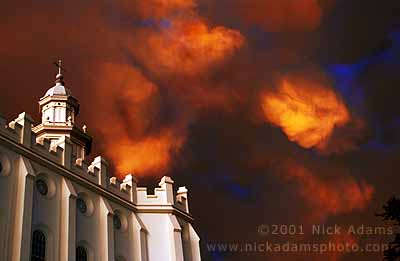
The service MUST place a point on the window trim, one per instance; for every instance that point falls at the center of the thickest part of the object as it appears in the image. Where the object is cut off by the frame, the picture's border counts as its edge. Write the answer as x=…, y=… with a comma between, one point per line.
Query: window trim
x=49, y=240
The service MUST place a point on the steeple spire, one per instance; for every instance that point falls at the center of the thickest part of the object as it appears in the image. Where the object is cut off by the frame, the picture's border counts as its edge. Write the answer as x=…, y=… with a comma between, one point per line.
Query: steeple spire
x=59, y=66
x=59, y=76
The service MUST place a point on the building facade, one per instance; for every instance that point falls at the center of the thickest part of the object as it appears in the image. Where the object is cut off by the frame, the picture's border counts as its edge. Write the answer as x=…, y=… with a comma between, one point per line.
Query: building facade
x=56, y=206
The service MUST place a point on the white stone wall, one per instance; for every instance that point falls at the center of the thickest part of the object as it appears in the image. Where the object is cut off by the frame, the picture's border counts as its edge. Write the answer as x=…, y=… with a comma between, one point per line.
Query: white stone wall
x=8, y=183
x=151, y=225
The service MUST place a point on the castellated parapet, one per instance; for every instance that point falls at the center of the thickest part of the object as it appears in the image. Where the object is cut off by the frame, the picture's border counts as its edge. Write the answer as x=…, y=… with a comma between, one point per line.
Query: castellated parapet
x=97, y=172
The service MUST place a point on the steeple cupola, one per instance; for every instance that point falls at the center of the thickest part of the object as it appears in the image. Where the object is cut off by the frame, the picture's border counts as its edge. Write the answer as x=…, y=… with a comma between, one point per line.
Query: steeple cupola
x=59, y=110
x=58, y=106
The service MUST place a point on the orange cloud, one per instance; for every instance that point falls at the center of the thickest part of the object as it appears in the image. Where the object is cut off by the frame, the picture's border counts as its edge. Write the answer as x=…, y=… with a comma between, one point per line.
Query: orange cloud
x=307, y=112
x=186, y=46
x=127, y=114
x=328, y=196
x=148, y=155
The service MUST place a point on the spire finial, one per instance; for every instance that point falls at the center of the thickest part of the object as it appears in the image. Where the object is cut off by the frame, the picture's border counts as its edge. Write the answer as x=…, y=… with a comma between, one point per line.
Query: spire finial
x=59, y=76
x=59, y=66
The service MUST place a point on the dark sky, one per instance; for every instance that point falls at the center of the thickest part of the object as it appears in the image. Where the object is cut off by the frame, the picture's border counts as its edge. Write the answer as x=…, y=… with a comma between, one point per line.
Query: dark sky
x=270, y=112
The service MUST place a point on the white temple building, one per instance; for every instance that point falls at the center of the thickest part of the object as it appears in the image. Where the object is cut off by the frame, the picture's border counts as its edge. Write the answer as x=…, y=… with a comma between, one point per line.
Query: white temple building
x=56, y=206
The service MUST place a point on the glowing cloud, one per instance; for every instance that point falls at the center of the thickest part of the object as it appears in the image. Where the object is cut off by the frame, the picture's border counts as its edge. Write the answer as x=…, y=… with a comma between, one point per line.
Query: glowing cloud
x=306, y=112
x=329, y=196
x=149, y=155
x=186, y=46
x=180, y=40
x=127, y=115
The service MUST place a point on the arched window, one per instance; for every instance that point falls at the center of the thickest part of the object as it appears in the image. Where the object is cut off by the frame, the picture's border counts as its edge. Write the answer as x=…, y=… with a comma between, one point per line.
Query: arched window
x=81, y=254
x=38, y=246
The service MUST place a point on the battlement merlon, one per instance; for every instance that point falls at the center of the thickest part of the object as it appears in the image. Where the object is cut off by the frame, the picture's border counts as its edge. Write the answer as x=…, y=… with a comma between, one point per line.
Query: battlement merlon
x=26, y=122
x=102, y=165
x=182, y=199
x=164, y=195
x=130, y=184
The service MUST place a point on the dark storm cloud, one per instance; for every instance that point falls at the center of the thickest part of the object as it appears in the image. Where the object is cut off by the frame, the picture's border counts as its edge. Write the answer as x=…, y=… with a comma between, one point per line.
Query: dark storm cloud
x=361, y=50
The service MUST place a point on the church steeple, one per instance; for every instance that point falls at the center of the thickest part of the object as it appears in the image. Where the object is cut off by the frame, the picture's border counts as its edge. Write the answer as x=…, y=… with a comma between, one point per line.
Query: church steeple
x=58, y=105
x=59, y=110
